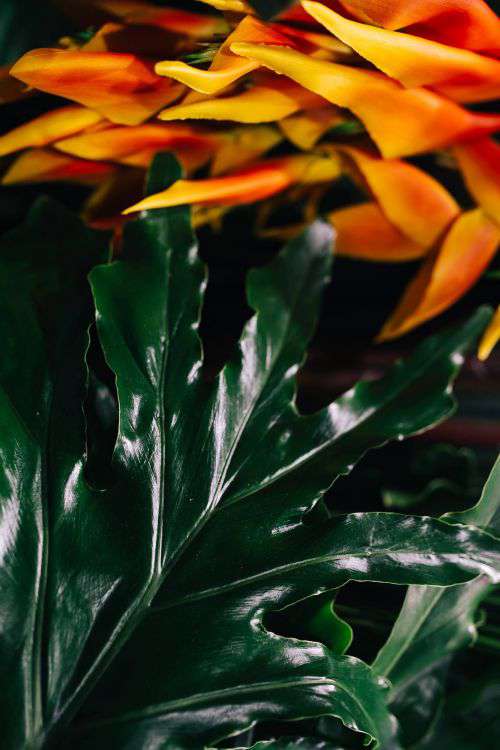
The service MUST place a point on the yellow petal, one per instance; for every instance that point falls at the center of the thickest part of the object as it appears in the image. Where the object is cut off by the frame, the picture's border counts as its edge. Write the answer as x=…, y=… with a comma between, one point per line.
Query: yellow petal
x=491, y=337
x=230, y=6
x=416, y=203
x=226, y=67
x=254, y=105
x=48, y=128
x=401, y=121
x=480, y=164
x=304, y=130
x=446, y=275
x=460, y=74
x=364, y=232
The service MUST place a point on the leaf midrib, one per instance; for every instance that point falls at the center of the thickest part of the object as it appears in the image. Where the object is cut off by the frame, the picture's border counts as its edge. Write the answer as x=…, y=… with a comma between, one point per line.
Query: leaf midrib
x=210, y=697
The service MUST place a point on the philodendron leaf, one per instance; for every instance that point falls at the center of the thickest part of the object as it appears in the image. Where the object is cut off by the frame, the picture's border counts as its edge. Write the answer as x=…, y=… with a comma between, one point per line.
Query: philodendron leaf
x=134, y=613
x=432, y=625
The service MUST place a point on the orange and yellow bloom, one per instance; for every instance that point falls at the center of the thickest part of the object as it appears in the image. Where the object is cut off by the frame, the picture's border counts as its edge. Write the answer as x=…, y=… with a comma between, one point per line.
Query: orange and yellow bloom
x=350, y=88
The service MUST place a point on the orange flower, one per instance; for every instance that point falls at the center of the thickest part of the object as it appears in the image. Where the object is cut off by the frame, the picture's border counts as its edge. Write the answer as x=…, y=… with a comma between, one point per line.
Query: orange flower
x=470, y=24
x=401, y=121
x=480, y=164
x=364, y=232
x=226, y=67
x=121, y=87
x=48, y=128
x=248, y=185
x=413, y=201
x=460, y=74
x=40, y=165
x=447, y=274
x=272, y=100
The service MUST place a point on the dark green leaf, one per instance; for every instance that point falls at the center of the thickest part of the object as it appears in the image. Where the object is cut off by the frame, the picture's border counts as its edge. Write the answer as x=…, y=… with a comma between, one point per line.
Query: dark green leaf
x=433, y=624
x=134, y=612
x=269, y=8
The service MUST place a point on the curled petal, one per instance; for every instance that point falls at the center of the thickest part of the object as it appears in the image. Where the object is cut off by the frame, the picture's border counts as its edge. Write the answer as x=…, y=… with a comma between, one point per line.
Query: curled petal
x=226, y=67
x=417, y=204
x=48, y=128
x=254, y=105
x=305, y=129
x=364, y=232
x=401, y=121
x=122, y=87
x=491, y=337
x=115, y=143
x=460, y=74
x=447, y=274
x=40, y=165
x=479, y=162
x=246, y=186
x=470, y=24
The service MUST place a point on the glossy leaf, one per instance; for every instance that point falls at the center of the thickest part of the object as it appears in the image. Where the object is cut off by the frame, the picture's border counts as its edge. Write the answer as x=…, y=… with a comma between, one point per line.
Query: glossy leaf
x=434, y=623
x=135, y=593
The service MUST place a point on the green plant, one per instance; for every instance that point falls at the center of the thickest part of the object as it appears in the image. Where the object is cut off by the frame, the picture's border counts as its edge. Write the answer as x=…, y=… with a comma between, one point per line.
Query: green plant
x=135, y=590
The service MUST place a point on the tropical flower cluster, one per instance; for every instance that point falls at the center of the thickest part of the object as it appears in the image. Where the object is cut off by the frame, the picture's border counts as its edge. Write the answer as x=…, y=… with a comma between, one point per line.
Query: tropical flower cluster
x=281, y=111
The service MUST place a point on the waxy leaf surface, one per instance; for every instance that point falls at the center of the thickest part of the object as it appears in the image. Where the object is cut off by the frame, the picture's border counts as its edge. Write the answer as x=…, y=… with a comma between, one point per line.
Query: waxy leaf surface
x=134, y=598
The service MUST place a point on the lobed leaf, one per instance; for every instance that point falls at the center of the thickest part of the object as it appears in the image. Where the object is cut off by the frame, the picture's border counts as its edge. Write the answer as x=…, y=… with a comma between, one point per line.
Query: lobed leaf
x=134, y=607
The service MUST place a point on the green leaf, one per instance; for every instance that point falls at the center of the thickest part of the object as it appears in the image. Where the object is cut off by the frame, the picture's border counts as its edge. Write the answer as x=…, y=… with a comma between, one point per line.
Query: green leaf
x=433, y=624
x=28, y=24
x=269, y=8
x=293, y=743
x=134, y=610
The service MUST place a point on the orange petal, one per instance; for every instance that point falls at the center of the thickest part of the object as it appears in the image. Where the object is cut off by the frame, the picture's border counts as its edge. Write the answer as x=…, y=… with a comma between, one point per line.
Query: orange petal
x=401, y=121
x=121, y=87
x=364, y=232
x=460, y=74
x=304, y=130
x=254, y=105
x=40, y=165
x=117, y=142
x=251, y=184
x=470, y=24
x=48, y=128
x=226, y=67
x=446, y=275
x=416, y=203
x=174, y=20
x=480, y=164
x=491, y=337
